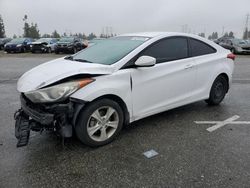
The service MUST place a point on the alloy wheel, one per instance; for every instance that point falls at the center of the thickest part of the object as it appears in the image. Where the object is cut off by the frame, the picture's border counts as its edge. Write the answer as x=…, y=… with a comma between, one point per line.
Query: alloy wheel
x=102, y=123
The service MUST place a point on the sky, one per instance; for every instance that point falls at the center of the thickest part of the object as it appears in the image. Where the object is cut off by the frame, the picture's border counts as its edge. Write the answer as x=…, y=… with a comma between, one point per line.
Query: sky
x=126, y=16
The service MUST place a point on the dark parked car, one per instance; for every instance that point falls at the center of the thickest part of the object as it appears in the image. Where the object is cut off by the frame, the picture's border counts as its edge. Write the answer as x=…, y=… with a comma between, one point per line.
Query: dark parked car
x=43, y=45
x=237, y=46
x=18, y=45
x=69, y=44
x=3, y=41
x=222, y=39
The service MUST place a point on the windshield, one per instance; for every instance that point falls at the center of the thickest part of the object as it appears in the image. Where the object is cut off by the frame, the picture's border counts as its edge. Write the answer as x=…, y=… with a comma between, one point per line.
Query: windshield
x=68, y=39
x=43, y=40
x=18, y=40
x=110, y=50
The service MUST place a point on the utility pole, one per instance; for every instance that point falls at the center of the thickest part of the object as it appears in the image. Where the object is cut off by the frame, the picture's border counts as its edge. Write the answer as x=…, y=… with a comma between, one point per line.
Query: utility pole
x=246, y=26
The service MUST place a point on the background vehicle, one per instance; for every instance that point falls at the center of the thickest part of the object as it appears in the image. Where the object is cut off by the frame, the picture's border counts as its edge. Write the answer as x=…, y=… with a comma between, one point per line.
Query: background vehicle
x=3, y=41
x=18, y=45
x=236, y=46
x=121, y=80
x=222, y=39
x=43, y=45
x=69, y=44
x=95, y=41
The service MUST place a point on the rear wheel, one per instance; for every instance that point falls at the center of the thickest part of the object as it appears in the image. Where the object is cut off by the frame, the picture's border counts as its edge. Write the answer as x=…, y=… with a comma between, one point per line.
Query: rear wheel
x=218, y=91
x=99, y=122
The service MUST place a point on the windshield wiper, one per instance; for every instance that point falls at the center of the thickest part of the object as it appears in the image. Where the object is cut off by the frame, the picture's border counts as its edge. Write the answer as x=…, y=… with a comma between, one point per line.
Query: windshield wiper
x=69, y=57
x=82, y=60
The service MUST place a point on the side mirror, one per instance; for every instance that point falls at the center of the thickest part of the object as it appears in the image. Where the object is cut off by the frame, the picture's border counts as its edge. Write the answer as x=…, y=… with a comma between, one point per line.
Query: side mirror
x=145, y=61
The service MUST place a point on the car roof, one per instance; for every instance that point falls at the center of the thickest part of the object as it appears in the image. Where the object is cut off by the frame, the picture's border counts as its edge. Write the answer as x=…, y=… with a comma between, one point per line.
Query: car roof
x=157, y=34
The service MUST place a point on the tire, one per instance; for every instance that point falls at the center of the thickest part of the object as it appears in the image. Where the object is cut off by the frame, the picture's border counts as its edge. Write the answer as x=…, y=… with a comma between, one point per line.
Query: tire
x=74, y=50
x=56, y=52
x=218, y=91
x=49, y=50
x=110, y=126
x=233, y=51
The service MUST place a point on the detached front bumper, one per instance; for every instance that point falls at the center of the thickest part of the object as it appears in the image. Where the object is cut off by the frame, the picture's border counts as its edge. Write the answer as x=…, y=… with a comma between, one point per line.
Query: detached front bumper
x=59, y=117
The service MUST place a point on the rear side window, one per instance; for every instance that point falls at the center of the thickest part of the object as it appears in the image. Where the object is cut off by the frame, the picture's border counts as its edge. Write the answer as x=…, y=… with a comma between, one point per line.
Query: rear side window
x=168, y=49
x=199, y=48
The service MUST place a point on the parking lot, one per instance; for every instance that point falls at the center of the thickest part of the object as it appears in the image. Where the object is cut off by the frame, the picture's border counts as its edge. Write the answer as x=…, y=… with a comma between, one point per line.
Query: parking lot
x=189, y=155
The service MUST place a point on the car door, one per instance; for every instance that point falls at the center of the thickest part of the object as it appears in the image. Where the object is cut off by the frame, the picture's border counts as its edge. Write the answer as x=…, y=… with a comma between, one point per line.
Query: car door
x=169, y=83
x=206, y=63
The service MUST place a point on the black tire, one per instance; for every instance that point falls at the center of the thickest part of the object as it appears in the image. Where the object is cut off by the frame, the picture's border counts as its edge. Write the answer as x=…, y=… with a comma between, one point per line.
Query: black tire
x=56, y=52
x=218, y=91
x=49, y=50
x=233, y=51
x=84, y=116
x=74, y=50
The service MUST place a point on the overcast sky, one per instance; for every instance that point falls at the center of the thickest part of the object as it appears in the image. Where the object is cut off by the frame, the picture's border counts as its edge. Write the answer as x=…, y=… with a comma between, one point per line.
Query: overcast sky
x=125, y=15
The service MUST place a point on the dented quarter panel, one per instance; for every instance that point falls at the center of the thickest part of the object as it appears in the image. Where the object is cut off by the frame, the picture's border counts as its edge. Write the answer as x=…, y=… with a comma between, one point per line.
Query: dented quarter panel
x=117, y=84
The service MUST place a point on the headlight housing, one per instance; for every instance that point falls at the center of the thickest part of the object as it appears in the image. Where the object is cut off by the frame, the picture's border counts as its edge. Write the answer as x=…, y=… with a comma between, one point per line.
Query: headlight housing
x=58, y=92
x=19, y=45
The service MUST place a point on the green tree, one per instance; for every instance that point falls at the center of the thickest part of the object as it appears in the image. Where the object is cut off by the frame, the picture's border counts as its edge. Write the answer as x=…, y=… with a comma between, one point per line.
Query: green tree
x=91, y=36
x=246, y=34
x=26, y=30
x=14, y=36
x=226, y=34
x=46, y=35
x=34, y=32
x=2, y=30
x=55, y=34
x=202, y=35
x=30, y=30
x=231, y=34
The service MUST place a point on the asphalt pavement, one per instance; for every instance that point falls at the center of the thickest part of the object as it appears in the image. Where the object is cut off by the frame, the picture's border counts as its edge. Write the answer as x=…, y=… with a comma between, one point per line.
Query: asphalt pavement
x=188, y=154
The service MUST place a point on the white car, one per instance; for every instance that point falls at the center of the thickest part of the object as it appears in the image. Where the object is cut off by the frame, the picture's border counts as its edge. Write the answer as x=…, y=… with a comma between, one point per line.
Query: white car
x=120, y=80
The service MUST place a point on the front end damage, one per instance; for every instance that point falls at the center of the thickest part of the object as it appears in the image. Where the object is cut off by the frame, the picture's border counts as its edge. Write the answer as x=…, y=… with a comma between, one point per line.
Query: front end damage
x=57, y=117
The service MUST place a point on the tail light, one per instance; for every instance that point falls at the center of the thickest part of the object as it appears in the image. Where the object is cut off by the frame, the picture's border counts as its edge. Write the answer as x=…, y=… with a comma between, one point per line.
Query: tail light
x=231, y=56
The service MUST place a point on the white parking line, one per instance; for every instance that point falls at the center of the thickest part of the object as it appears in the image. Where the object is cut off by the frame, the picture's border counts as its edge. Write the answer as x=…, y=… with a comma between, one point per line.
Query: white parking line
x=219, y=124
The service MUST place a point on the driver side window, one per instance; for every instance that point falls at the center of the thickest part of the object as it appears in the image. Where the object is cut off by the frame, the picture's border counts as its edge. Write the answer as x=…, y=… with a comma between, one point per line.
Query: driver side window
x=169, y=49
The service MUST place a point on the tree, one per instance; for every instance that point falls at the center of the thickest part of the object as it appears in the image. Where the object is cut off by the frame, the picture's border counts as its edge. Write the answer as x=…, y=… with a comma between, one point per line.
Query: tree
x=246, y=34
x=26, y=30
x=14, y=36
x=91, y=36
x=34, y=32
x=202, y=35
x=231, y=34
x=30, y=31
x=2, y=30
x=226, y=34
x=55, y=34
x=46, y=35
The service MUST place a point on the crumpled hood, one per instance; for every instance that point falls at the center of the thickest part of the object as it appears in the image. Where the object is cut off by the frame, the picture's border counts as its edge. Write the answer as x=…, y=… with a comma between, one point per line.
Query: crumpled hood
x=56, y=70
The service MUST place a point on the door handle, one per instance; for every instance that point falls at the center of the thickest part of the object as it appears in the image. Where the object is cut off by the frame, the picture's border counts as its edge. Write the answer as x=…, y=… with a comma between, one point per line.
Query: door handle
x=190, y=66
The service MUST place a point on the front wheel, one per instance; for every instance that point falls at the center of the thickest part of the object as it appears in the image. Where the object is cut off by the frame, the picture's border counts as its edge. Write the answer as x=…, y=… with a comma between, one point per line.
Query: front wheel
x=218, y=91
x=99, y=122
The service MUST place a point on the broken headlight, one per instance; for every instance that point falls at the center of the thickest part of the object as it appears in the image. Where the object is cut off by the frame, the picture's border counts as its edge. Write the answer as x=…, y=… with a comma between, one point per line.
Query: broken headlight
x=58, y=92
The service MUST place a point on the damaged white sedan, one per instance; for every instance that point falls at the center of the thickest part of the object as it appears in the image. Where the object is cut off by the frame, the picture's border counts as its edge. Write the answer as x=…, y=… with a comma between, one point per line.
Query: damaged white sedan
x=120, y=80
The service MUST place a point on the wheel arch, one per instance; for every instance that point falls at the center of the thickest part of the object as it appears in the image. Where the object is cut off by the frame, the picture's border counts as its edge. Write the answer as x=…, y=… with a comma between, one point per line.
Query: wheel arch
x=113, y=97
x=226, y=77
